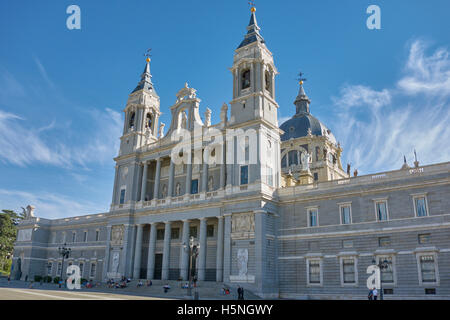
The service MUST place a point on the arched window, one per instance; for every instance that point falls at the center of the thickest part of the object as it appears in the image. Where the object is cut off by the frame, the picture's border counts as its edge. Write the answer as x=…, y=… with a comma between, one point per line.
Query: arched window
x=293, y=158
x=148, y=123
x=245, y=79
x=283, y=162
x=317, y=153
x=131, y=121
x=267, y=79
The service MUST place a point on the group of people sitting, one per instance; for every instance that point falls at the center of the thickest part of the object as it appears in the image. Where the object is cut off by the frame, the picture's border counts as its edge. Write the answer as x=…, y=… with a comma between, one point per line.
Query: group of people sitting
x=118, y=284
x=148, y=283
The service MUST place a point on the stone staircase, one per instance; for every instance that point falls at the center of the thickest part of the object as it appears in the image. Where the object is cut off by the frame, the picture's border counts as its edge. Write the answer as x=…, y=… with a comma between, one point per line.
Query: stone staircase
x=205, y=289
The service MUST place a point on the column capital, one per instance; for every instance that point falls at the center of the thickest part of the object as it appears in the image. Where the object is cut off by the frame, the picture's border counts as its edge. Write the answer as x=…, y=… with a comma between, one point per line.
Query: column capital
x=220, y=217
x=186, y=220
x=203, y=218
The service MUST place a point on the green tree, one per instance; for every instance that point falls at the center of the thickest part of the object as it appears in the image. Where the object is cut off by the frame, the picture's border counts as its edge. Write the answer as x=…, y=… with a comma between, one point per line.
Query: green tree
x=8, y=232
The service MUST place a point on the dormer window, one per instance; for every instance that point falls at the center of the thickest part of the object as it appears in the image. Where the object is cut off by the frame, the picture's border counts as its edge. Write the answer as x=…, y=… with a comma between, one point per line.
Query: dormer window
x=246, y=79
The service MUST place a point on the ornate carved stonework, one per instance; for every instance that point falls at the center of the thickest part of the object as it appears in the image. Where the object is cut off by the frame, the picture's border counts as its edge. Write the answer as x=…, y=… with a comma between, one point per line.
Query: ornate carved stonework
x=243, y=223
x=117, y=235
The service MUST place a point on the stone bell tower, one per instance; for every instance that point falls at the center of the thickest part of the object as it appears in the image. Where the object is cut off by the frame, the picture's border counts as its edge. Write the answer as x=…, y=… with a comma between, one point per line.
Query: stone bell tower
x=253, y=79
x=254, y=109
x=141, y=115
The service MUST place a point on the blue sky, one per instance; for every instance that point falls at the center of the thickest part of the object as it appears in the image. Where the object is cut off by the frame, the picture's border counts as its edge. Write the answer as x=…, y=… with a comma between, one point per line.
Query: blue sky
x=62, y=92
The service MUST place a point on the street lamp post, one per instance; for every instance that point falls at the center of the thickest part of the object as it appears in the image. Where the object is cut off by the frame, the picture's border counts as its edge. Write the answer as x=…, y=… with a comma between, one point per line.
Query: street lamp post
x=64, y=252
x=382, y=265
x=193, y=248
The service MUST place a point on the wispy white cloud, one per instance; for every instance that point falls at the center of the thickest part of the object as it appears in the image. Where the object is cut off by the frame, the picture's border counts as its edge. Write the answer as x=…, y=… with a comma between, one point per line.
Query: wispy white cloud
x=392, y=122
x=429, y=75
x=22, y=145
x=43, y=73
x=48, y=205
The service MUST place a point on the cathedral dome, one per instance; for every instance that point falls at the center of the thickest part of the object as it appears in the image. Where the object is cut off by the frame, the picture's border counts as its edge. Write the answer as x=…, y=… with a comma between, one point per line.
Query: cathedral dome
x=303, y=121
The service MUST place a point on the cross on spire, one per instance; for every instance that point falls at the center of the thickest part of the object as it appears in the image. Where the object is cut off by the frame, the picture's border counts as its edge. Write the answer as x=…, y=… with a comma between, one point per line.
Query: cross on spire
x=148, y=54
x=252, y=5
x=300, y=78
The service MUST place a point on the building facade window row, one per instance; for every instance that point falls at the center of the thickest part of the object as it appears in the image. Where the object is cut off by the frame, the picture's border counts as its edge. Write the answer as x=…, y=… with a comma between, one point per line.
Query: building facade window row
x=380, y=206
x=427, y=270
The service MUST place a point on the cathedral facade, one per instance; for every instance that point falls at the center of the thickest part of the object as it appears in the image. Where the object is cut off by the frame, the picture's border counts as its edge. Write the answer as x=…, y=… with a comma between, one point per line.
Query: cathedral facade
x=270, y=207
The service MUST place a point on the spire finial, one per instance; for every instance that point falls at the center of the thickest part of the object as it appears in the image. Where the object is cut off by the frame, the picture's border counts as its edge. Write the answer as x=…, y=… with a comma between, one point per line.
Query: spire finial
x=300, y=78
x=252, y=4
x=147, y=54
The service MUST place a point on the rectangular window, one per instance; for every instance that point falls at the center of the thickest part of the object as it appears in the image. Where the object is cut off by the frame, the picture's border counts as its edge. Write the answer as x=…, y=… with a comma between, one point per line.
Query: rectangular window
x=244, y=175
x=97, y=235
x=428, y=268
x=160, y=234
x=175, y=233
x=74, y=236
x=81, y=266
x=387, y=274
x=59, y=269
x=122, y=196
x=384, y=241
x=381, y=210
x=421, y=206
x=85, y=236
x=314, y=271
x=316, y=176
x=424, y=238
x=313, y=217
x=49, y=268
x=346, y=215
x=210, y=231
x=193, y=231
x=93, y=270
x=430, y=291
x=194, y=186
x=347, y=243
x=348, y=270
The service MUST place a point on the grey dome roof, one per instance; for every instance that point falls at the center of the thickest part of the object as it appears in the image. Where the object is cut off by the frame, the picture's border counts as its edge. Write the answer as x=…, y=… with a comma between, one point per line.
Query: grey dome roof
x=298, y=126
x=302, y=121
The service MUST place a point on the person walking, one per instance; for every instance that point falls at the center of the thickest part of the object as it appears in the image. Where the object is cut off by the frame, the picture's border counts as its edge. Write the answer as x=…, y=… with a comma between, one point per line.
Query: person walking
x=9, y=279
x=375, y=293
x=240, y=291
x=370, y=296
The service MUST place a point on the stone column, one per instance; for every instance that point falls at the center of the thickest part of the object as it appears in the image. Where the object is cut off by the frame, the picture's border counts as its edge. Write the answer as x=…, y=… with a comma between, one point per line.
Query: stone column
x=188, y=178
x=151, y=252
x=171, y=173
x=138, y=253
x=144, y=181
x=227, y=249
x=202, y=252
x=107, y=252
x=223, y=165
x=219, y=258
x=125, y=253
x=116, y=182
x=157, y=176
x=184, y=254
x=166, y=252
x=205, y=177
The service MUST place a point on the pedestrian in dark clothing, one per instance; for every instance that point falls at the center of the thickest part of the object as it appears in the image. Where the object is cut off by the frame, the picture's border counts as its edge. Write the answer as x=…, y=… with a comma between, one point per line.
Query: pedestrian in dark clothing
x=240, y=293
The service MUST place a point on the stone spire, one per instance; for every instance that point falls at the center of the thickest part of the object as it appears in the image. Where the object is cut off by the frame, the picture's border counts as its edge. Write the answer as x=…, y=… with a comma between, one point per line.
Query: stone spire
x=253, y=34
x=302, y=101
x=146, y=79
